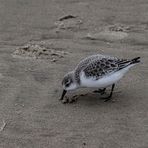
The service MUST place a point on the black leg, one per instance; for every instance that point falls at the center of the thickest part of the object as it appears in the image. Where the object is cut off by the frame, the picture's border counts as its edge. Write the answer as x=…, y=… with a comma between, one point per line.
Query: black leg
x=101, y=91
x=111, y=93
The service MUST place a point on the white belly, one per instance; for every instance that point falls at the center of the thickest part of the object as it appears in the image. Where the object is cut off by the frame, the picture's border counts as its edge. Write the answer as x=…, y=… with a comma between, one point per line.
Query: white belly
x=104, y=81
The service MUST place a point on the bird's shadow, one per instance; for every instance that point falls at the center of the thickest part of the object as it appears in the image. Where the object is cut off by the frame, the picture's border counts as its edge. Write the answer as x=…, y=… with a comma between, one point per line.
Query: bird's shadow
x=92, y=99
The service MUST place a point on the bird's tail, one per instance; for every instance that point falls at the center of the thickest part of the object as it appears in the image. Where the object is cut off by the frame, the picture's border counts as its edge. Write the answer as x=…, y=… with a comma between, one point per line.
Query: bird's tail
x=135, y=60
x=126, y=63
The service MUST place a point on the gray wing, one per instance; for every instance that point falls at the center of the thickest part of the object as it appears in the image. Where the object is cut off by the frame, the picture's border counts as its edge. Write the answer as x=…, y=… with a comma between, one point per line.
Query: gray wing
x=100, y=67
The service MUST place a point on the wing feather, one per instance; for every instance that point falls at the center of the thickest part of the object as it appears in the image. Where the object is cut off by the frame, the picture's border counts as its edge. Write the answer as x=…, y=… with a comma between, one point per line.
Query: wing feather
x=99, y=65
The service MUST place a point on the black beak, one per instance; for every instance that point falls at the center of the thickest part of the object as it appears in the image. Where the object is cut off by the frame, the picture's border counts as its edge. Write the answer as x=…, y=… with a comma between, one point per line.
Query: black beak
x=63, y=94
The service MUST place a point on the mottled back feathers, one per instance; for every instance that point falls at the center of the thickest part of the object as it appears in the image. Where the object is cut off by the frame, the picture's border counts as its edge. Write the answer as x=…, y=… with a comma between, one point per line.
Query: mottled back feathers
x=98, y=66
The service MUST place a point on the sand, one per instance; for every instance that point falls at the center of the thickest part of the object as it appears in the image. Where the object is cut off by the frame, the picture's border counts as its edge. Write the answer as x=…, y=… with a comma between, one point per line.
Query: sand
x=31, y=116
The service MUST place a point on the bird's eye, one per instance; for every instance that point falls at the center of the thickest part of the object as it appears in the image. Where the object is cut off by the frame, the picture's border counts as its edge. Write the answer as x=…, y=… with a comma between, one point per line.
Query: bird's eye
x=67, y=83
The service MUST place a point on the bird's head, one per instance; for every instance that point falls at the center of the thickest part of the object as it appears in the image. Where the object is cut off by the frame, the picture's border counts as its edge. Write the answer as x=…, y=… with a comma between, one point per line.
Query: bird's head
x=68, y=83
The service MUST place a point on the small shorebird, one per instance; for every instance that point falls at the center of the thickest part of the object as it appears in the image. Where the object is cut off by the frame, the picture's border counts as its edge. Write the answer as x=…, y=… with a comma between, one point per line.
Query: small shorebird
x=97, y=71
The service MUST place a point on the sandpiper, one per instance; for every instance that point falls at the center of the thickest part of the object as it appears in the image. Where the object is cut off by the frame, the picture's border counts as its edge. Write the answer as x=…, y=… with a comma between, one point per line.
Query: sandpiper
x=97, y=71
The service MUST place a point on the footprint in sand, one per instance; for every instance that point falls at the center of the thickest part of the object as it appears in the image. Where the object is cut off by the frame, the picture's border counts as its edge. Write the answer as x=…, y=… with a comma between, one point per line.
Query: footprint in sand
x=36, y=51
x=110, y=33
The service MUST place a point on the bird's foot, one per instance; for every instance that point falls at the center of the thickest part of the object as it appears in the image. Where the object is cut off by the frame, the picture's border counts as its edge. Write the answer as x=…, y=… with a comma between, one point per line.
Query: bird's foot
x=107, y=99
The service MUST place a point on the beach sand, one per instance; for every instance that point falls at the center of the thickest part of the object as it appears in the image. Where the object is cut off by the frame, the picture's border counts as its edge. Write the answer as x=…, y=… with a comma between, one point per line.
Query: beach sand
x=38, y=45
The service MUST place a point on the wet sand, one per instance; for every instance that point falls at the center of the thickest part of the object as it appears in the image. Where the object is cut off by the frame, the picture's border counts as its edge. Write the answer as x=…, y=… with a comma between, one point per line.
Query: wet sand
x=31, y=116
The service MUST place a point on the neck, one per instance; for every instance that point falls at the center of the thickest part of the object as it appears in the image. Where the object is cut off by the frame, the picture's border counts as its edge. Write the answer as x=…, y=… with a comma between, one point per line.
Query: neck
x=72, y=73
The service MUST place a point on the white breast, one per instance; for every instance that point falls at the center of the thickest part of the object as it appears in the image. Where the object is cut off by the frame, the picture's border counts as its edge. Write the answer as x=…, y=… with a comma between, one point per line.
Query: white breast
x=104, y=81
